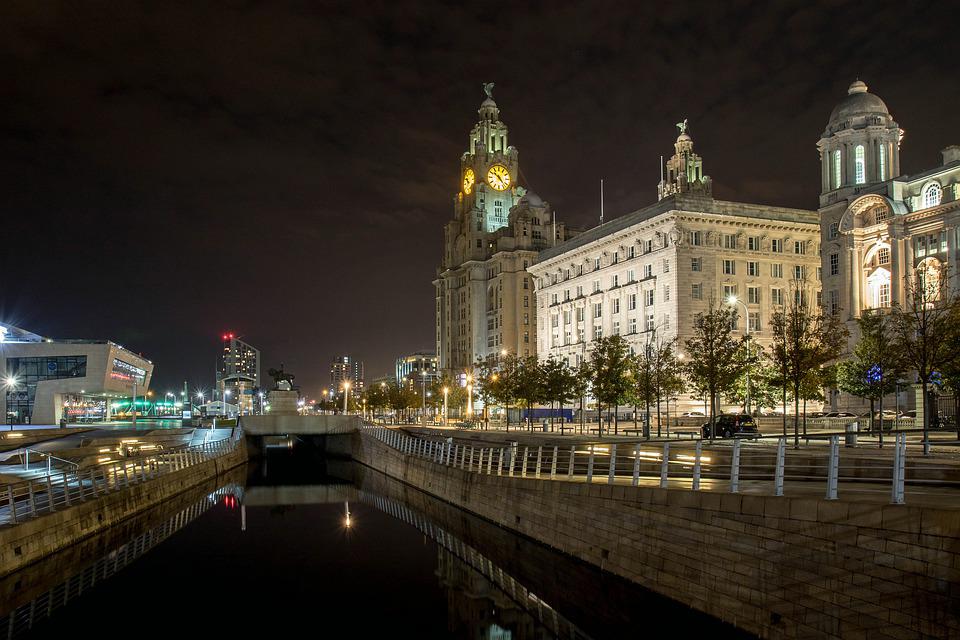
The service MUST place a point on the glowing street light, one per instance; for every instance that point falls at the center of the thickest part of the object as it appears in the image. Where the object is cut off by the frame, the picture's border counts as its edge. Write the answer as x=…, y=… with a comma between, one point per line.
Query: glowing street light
x=446, y=390
x=469, y=395
x=346, y=395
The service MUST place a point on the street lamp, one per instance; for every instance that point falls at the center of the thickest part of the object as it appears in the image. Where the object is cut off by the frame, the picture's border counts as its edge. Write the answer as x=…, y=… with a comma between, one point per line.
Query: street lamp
x=10, y=383
x=446, y=390
x=469, y=396
x=346, y=394
x=732, y=300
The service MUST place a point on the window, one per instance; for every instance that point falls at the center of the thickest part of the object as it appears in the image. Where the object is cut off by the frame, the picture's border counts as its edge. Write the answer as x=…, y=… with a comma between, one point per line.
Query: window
x=696, y=264
x=647, y=246
x=776, y=296
x=631, y=251
x=729, y=267
x=883, y=162
x=526, y=318
x=554, y=321
x=632, y=301
x=834, y=230
x=616, y=305
x=834, y=264
x=696, y=238
x=633, y=325
x=666, y=321
x=596, y=264
x=754, y=321
x=566, y=295
x=729, y=290
x=526, y=283
x=729, y=241
x=598, y=310
x=696, y=291
x=579, y=290
x=666, y=293
x=648, y=297
x=649, y=324
x=666, y=266
x=648, y=271
x=799, y=247
x=553, y=298
x=753, y=268
x=932, y=194
x=616, y=258
x=579, y=314
x=753, y=295
x=860, y=165
x=615, y=280
x=479, y=242
x=753, y=243
x=566, y=316
x=631, y=276
x=836, y=169
x=833, y=306
x=883, y=256
x=776, y=270
x=597, y=332
x=799, y=272
x=596, y=286
x=616, y=328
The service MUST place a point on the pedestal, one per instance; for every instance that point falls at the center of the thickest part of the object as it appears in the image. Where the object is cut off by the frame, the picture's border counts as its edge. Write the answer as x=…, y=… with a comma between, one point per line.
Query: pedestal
x=283, y=403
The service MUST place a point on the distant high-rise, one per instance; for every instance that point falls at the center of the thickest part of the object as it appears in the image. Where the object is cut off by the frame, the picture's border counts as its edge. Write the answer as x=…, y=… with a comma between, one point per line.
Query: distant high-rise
x=238, y=372
x=346, y=368
x=420, y=367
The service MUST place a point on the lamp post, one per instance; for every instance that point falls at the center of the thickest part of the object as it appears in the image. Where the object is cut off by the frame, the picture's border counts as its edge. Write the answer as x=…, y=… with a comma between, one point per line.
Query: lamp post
x=10, y=384
x=346, y=395
x=446, y=390
x=733, y=300
x=469, y=396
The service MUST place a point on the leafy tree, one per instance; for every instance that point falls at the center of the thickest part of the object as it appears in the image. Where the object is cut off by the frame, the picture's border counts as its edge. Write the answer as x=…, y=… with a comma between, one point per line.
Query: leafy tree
x=640, y=390
x=580, y=387
x=804, y=341
x=502, y=385
x=764, y=384
x=609, y=363
x=665, y=374
x=456, y=395
x=529, y=384
x=926, y=326
x=876, y=363
x=486, y=377
x=714, y=364
x=557, y=383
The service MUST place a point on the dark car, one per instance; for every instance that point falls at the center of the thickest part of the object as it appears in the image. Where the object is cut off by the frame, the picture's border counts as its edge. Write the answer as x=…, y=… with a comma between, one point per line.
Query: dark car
x=733, y=424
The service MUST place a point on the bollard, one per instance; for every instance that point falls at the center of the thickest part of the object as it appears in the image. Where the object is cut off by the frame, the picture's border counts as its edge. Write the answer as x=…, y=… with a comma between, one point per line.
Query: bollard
x=500, y=461
x=514, y=447
x=899, y=466
x=834, y=467
x=778, y=472
x=636, y=465
x=489, y=461
x=573, y=451
x=590, y=466
x=523, y=469
x=553, y=463
x=612, y=472
x=664, y=465
x=735, y=468
x=539, y=458
x=696, y=466
x=470, y=464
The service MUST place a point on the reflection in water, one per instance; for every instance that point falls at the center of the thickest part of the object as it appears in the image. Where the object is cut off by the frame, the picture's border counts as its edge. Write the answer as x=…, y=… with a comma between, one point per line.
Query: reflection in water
x=342, y=545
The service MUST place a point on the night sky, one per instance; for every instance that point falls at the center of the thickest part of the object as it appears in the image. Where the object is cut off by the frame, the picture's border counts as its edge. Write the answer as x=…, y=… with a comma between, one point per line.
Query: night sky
x=172, y=170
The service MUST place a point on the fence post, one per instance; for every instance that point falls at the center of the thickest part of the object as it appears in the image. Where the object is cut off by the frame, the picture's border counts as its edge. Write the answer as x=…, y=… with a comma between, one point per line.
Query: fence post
x=778, y=472
x=449, y=448
x=573, y=452
x=539, y=458
x=665, y=465
x=612, y=473
x=834, y=467
x=735, y=468
x=66, y=489
x=590, y=466
x=13, y=505
x=553, y=463
x=470, y=464
x=514, y=447
x=523, y=469
x=489, y=461
x=503, y=452
x=636, y=465
x=899, y=467
x=50, y=493
x=33, y=499
x=696, y=465
x=26, y=460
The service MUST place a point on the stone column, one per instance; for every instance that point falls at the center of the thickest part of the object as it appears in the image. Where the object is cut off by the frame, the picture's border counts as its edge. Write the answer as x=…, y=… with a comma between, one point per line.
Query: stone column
x=855, y=305
x=896, y=270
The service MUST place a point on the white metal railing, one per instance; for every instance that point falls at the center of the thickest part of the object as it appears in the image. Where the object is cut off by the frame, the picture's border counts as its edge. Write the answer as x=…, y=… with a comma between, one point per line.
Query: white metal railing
x=692, y=465
x=50, y=458
x=28, y=499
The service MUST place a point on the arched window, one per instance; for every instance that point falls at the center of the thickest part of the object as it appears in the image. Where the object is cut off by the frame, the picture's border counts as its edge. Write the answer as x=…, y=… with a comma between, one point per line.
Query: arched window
x=883, y=162
x=883, y=256
x=932, y=195
x=836, y=169
x=878, y=285
x=860, y=165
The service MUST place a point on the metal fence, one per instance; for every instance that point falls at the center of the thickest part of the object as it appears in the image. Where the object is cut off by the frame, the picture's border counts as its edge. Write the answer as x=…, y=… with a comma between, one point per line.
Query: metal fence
x=692, y=465
x=32, y=498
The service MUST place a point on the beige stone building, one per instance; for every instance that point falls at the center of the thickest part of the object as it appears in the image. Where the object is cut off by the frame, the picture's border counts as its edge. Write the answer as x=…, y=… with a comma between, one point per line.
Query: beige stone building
x=645, y=275
x=484, y=294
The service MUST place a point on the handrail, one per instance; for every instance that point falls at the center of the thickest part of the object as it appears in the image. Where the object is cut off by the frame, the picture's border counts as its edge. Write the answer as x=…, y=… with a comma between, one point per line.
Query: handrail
x=49, y=456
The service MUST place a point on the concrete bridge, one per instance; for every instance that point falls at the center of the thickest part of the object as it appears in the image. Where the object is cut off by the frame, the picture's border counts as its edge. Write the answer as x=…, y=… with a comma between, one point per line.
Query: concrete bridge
x=297, y=425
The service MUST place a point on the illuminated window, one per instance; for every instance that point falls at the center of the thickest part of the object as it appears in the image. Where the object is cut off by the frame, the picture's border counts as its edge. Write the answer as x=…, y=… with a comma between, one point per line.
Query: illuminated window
x=883, y=162
x=878, y=286
x=860, y=164
x=932, y=195
x=836, y=169
x=695, y=264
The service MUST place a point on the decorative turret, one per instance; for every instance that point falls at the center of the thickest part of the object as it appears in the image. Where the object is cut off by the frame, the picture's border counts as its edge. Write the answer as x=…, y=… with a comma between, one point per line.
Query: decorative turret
x=684, y=169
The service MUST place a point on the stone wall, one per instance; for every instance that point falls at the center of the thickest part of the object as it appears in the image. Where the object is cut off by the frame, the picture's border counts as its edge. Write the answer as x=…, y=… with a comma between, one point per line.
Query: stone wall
x=775, y=566
x=32, y=540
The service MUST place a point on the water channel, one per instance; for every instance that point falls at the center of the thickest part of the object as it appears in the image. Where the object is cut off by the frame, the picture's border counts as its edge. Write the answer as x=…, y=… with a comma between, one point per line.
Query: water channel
x=299, y=543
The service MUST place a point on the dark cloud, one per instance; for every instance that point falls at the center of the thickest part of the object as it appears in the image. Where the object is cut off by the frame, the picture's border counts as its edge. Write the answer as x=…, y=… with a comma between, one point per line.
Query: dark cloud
x=171, y=170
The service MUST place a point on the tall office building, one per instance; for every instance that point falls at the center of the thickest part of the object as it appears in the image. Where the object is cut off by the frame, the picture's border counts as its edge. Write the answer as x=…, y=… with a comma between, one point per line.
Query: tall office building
x=484, y=294
x=238, y=373
x=420, y=367
x=345, y=368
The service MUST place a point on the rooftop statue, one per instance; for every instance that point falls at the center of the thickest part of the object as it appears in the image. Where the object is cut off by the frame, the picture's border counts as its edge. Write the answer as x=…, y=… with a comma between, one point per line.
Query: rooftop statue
x=682, y=126
x=488, y=89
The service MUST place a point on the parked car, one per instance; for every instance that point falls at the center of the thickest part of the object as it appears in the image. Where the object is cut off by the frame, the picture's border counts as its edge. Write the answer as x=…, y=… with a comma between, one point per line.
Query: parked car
x=693, y=414
x=909, y=414
x=839, y=414
x=733, y=424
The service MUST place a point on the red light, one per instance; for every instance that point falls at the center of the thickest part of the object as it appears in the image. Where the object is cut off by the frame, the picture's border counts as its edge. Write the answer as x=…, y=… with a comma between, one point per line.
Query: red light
x=224, y=336
x=231, y=336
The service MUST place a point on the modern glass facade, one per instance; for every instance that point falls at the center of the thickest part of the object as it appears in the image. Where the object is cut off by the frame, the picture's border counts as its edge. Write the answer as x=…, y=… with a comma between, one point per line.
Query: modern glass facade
x=30, y=371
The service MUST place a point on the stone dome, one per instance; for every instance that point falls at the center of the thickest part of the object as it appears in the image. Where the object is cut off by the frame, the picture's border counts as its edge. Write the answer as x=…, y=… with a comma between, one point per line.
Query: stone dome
x=684, y=137
x=858, y=102
x=532, y=199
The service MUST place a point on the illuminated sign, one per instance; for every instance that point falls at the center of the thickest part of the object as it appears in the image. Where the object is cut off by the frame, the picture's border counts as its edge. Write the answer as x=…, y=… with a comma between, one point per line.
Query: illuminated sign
x=126, y=372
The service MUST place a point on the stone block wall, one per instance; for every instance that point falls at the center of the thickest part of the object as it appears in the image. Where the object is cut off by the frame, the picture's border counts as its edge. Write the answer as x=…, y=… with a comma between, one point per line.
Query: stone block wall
x=778, y=567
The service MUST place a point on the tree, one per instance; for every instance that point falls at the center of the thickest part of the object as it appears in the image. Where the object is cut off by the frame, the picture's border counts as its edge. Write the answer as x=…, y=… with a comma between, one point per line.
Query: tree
x=486, y=377
x=764, y=384
x=926, y=326
x=502, y=385
x=456, y=395
x=557, y=383
x=609, y=363
x=640, y=390
x=875, y=365
x=714, y=366
x=529, y=384
x=582, y=375
x=665, y=376
x=804, y=341
x=402, y=397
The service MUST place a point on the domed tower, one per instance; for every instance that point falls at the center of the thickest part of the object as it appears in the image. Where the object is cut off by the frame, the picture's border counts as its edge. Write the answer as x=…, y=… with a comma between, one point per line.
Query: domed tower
x=859, y=147
x=684, y=169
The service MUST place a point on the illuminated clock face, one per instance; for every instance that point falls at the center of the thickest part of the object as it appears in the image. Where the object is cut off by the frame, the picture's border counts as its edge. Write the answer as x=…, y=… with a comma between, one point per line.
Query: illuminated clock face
x=498, y=177
x=469, y=179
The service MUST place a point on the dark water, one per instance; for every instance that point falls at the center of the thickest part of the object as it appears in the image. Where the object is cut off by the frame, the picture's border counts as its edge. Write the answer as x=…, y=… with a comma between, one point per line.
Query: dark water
x=407, y=566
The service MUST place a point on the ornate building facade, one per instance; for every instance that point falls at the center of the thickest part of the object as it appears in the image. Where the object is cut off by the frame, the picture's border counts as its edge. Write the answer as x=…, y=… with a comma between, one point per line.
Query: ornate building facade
x=880, y=227
x=484, y=294
x=645, y=275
